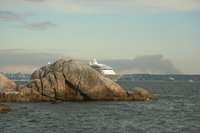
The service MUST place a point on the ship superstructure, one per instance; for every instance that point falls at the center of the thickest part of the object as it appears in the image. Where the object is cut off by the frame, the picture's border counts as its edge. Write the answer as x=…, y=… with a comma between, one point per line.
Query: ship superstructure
x=105, y=70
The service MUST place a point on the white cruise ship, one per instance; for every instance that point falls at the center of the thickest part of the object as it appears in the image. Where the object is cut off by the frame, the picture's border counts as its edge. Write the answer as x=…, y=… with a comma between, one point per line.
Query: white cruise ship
x=105, y=70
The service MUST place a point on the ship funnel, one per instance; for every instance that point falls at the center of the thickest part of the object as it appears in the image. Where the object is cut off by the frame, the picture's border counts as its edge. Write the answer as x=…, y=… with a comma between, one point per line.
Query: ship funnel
x=95, y=61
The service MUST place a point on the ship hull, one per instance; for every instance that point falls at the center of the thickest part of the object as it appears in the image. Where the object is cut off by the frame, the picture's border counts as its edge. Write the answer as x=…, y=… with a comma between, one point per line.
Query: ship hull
x=170, y=79
x=113, y=77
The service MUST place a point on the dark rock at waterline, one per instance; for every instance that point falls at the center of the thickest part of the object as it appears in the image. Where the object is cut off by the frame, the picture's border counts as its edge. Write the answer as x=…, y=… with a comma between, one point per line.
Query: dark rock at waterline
x=10, y=92
x=70, y=80
x=5, y=108
x=143, y=93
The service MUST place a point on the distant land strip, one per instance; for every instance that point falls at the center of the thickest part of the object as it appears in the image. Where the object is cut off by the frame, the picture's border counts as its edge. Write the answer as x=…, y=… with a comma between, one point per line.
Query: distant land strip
x=177, y=77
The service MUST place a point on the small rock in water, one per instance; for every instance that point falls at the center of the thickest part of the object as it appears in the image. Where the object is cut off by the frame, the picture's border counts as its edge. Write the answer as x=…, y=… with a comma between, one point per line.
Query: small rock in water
x=4, y=108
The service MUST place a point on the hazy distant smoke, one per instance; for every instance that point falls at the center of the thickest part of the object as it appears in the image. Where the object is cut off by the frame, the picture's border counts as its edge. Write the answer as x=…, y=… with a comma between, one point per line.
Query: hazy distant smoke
x=25, y=61
x=152, y=64
x=19, y=60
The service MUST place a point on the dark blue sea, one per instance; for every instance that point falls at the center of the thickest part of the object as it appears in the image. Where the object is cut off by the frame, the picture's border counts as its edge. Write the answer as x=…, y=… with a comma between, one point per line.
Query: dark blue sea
x=176, y=111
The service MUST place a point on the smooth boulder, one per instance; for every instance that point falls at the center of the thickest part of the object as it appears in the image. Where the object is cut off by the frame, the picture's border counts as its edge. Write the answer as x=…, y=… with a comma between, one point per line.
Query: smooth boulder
x=70, y=80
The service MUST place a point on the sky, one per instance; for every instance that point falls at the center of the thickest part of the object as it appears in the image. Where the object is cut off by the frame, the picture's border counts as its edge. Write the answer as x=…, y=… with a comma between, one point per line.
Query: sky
x=133, y=36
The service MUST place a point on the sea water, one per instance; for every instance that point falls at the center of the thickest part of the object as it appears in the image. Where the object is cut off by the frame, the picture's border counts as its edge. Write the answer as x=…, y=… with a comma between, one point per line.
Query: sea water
x=176, y=110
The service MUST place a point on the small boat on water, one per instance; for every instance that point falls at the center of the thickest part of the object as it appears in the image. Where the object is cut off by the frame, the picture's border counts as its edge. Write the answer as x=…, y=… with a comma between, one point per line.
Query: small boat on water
x=190, y=80
x=169, y=79
x=105, y=70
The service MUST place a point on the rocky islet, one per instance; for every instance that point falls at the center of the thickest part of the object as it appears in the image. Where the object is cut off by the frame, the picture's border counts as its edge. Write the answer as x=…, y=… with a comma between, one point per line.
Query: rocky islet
x=68, y=80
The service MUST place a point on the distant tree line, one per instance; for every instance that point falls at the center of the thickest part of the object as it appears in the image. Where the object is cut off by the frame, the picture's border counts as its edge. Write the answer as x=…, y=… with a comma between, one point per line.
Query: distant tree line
x=177, y=77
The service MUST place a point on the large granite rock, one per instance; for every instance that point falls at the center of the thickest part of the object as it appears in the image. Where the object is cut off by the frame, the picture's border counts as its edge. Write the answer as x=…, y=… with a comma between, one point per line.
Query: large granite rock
x=70, y=80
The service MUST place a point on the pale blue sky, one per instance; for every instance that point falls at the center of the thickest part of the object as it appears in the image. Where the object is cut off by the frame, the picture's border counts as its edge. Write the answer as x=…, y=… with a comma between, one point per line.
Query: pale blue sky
x=105, y=30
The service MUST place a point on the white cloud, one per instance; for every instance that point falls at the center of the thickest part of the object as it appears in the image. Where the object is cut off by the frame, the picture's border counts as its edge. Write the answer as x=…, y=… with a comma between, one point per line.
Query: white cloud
x=164, y=5
x=35, y=0
x=106, y=6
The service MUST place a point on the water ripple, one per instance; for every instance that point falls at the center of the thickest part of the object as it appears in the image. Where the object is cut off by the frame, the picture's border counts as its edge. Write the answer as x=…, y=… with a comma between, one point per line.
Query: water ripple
x=177, y=110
